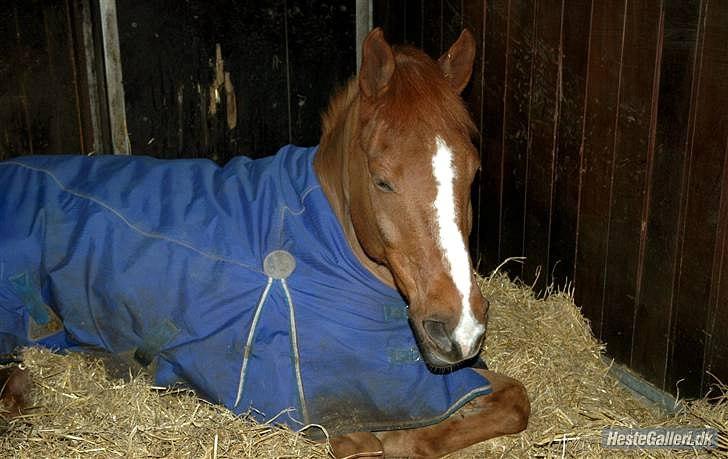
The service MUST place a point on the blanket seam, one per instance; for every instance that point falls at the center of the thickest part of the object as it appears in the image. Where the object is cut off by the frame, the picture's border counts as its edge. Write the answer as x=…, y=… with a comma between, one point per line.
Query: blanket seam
x=129, y=223
x=285, y=207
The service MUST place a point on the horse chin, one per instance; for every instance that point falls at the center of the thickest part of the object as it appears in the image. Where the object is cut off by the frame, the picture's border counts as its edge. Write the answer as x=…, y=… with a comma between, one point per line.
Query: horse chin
x=434, y=359
x=436, y=362
x=439, y=364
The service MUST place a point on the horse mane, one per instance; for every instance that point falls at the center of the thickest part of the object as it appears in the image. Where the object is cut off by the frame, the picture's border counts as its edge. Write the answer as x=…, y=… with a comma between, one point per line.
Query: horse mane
x=418, y=97
x=338, y=109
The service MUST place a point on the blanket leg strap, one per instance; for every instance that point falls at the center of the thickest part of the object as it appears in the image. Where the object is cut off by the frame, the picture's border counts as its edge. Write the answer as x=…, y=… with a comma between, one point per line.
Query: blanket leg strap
x=44, y=322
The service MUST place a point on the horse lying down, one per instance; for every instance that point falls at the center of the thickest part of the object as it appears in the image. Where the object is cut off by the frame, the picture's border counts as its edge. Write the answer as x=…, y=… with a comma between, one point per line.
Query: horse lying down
x=327, y=285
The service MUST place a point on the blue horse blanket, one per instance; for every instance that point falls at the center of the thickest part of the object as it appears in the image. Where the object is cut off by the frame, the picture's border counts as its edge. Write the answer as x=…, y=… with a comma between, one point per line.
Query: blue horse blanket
x=237, y=281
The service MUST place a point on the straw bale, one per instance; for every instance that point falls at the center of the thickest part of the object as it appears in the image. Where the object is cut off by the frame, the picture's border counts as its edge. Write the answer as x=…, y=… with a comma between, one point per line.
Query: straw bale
x=81, y=411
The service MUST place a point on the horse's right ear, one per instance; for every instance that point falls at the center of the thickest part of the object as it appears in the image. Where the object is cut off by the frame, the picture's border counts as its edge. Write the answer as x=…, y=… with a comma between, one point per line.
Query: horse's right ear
x=457, y=63
x=377, y=64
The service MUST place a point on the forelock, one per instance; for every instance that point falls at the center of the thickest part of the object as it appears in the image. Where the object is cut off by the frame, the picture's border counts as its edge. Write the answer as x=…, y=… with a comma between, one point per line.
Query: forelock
x=419, y=97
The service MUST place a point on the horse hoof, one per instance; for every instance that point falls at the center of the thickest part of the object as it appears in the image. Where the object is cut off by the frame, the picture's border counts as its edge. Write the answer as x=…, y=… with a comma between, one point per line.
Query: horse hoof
x=357, y=445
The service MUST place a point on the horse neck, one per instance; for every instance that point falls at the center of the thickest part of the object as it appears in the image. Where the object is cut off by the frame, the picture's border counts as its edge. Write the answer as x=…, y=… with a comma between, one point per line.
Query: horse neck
x=331, y=165
x=332, y=160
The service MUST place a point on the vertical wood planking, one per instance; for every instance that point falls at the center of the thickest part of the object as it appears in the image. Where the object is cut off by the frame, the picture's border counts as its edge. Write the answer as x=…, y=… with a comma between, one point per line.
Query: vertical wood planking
x=706, y=149
x=655, y=302
x=14, y=136
x=84, y=72
x=320, y=36
x=516, y=112
x=43, y=104
x=413, y=31
x=496, y=39
x=389, y=15
x=114, y=80
x=35, y=88
x=473, y=15
x=284, y=59
x=717, y=321
x=432, y=26
x=602, y=112
x=452, y=22
x=637, y=97
x=544, y=114
x=64, y=129
x=565, y=210
x=278, y=86
x=93, y=41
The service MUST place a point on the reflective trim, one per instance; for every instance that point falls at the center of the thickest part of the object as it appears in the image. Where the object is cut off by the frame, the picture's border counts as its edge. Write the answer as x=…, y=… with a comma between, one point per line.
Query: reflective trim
x=459, y=403
x=296, y=356
x=249, y=342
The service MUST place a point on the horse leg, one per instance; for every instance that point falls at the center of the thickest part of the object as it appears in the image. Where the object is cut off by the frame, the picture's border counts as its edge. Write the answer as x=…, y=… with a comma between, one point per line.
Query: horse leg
x=357, y=445
x=504, y=411
x=14, y=387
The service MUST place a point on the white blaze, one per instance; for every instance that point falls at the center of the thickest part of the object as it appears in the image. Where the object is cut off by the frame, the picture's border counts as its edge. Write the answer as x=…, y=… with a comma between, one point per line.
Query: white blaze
x=452, y=244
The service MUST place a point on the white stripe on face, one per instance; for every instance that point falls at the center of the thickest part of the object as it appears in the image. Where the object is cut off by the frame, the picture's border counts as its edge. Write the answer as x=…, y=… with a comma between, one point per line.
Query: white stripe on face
x=452, y=244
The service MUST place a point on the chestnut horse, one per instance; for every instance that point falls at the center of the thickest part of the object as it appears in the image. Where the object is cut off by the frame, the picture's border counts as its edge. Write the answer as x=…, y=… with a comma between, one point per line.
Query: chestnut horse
x=396, y=164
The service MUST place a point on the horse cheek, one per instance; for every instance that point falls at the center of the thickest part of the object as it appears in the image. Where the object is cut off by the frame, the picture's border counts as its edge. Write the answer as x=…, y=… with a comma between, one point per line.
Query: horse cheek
x=364, y=221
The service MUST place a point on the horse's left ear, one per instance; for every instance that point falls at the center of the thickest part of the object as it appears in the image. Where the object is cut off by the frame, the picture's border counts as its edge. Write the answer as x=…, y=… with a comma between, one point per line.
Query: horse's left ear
x=377, y=65
x=457, y=62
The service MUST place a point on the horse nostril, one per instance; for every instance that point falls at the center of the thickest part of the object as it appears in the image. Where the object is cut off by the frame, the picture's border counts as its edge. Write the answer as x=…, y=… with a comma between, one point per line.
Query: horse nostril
x=437, y=332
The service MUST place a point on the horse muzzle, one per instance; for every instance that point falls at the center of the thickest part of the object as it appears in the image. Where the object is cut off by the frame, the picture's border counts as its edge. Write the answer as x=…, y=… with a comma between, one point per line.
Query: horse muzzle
x=439, y=347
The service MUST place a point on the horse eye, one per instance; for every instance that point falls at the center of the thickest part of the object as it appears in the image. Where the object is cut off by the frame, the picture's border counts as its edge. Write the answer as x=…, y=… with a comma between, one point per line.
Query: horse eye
x=383, y=185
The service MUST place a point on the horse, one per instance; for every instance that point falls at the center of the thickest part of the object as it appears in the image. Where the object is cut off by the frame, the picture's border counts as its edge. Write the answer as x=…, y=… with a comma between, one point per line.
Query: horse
x=357, y=283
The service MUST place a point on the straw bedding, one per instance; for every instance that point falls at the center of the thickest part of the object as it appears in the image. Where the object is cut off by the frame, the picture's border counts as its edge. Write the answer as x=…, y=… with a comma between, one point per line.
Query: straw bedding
x=80, y=411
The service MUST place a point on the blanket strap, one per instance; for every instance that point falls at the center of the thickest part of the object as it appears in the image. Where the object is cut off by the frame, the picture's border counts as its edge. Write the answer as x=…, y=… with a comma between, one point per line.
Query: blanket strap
x=249, y=341
x=44, y=321
x=295, y=353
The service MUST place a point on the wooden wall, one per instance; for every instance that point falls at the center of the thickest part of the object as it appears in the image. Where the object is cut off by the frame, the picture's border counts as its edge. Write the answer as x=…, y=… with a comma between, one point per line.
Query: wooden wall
x=280, y=60
x=604, y=142
x=44, y=106
x=283, y=60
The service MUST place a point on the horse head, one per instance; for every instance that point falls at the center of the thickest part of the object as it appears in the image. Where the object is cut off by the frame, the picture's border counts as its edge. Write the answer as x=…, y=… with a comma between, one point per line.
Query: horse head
x=407, y=176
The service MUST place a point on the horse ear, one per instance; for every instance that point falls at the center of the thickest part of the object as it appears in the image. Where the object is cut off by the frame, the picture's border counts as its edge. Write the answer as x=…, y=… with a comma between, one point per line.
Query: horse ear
x=377, y=64
x=457, y=62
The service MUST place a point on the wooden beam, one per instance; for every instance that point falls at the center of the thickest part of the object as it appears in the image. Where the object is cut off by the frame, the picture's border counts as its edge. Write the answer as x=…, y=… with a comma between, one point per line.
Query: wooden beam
x=364, y=17
x=114, y=82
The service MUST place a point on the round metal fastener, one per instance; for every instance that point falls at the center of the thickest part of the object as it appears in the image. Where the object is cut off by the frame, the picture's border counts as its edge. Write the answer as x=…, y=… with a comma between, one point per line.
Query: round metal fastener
x=279, y=264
